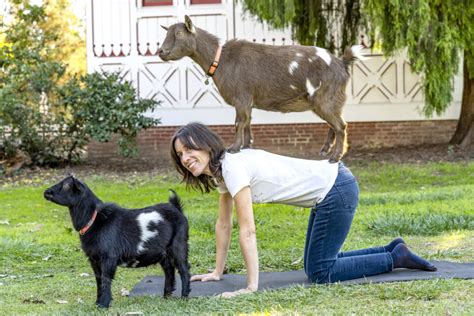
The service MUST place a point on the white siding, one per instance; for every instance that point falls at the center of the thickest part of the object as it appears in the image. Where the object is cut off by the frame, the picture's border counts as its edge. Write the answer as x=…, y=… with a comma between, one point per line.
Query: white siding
x=124, y=36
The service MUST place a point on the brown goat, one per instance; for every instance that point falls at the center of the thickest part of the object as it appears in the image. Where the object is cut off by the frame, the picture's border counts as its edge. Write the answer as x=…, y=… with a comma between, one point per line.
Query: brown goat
x=273, y=78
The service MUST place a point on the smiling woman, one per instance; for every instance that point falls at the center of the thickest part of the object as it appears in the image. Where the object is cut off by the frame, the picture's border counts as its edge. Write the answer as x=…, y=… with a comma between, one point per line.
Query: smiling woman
x=256, y=176
x=196, y=161
x=197, y=156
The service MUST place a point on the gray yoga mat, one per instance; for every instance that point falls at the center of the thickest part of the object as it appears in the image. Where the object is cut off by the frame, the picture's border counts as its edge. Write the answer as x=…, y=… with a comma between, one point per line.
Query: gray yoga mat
x=153, y=285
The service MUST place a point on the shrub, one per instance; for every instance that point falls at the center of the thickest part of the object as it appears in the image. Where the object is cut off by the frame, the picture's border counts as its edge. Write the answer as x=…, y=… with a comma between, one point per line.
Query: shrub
x=47, y=116
x=100, y=105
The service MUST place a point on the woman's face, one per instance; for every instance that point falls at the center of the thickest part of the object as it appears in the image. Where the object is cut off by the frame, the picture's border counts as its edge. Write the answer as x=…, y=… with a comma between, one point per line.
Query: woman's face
x=196, y=161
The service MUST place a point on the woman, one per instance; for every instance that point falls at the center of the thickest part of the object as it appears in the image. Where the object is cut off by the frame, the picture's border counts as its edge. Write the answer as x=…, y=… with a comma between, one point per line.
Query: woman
x=256, y=176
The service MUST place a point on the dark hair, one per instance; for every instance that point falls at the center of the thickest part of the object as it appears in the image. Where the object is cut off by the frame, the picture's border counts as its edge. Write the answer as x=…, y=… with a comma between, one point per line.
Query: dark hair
x=198, y=136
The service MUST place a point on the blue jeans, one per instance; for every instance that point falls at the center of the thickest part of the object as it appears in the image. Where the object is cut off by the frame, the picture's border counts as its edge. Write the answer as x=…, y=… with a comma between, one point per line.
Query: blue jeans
x=328, y=226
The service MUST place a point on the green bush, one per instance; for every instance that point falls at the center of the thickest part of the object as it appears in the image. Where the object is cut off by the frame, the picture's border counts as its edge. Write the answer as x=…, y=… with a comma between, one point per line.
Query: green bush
x=48, y=117
x=100, y=105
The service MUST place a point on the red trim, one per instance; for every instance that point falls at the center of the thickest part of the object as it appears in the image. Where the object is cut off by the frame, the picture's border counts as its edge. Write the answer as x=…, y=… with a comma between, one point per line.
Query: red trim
x=156, y=3
x=89, y=224
x=205, y=1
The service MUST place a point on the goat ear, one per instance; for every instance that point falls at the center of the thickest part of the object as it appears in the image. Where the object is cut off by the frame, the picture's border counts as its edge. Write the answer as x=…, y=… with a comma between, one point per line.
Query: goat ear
x=76, y=184
x=164, y=27
x=189, y=24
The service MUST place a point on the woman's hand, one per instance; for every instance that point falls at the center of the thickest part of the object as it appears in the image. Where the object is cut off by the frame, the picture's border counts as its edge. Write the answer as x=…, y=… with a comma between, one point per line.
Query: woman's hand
x=247, y=290
x=213, y=276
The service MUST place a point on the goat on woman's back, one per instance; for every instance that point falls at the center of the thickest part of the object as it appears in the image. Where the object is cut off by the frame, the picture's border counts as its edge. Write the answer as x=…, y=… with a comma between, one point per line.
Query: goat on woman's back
x=273, y=78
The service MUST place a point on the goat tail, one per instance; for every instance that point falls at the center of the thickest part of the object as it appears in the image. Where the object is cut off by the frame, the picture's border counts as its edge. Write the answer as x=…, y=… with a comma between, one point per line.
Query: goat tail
x=352, y=53
x=175, y=200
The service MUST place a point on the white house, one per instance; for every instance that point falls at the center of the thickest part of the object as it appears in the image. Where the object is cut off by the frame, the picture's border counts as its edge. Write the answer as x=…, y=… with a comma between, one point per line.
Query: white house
x=124, y=36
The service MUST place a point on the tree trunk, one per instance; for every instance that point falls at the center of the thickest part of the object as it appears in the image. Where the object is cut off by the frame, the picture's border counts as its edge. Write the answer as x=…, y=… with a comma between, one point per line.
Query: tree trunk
x=464, y=130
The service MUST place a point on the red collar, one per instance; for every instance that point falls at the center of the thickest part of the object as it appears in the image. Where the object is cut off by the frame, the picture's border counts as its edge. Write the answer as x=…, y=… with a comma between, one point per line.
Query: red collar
x=89, y=224
x=215, y=63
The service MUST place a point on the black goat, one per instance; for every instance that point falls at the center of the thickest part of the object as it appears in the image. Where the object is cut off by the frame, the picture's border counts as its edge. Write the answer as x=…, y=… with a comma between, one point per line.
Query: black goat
x=112, y=236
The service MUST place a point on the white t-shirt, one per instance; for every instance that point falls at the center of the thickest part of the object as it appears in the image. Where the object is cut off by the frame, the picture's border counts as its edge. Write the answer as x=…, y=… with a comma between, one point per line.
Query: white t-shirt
x=277, y=179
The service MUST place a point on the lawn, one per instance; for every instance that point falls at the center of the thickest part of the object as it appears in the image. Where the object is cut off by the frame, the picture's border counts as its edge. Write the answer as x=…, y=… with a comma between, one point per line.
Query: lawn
x=431, y=205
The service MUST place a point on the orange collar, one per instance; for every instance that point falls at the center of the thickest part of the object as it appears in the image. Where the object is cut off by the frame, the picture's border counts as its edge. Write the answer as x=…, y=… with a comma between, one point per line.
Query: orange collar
x=215, y=63
x=89, y=224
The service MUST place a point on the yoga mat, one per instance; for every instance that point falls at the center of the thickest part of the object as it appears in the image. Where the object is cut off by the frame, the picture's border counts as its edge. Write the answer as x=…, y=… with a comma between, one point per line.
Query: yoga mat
x=153, y=285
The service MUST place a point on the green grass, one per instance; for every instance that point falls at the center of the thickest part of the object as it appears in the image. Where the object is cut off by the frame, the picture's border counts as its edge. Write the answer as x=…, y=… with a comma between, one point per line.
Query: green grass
x=430, y=205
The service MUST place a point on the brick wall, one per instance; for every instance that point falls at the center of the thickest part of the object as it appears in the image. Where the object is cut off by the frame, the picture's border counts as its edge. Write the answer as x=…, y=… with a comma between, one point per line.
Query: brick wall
x=291, y=139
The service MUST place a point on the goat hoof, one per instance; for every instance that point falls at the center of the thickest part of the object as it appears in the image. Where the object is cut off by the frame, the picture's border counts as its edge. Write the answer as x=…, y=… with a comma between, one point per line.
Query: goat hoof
x=100, y=305
x=334, y=159
x=233, y=149
x=325, y=151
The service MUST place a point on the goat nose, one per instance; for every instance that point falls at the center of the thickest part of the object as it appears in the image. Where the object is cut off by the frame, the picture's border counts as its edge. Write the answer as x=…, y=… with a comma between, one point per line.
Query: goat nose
x=160, y=51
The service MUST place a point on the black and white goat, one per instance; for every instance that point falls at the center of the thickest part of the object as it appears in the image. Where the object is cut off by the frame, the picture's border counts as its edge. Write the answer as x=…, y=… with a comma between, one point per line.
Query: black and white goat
x=112, y=236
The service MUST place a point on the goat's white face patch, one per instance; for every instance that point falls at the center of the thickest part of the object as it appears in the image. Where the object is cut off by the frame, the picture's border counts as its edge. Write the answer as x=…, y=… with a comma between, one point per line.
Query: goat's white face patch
x=144, y=221
x=321, y=52
x=293, y=66
x=310, y=88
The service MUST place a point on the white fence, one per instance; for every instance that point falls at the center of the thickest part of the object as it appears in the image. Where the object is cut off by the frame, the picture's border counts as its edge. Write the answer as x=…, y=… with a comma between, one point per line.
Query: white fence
x=124, y=36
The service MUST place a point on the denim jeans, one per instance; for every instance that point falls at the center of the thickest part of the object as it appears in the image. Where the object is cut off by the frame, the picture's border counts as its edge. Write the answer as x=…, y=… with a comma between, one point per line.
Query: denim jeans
x=328, y=226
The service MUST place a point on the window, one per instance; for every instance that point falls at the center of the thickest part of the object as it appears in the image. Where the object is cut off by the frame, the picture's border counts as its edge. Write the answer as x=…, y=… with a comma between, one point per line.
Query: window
x=150, y=3
x=205, y=1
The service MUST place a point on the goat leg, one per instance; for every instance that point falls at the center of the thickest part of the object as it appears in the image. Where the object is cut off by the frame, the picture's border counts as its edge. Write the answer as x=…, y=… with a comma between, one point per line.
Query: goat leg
x=328, y=145
x=179, y=248
x=185, y=279
x=341, y=142
x=170, y=282
x=108, y=267
x=248, y=138
x=97, y=273
x=242, y=122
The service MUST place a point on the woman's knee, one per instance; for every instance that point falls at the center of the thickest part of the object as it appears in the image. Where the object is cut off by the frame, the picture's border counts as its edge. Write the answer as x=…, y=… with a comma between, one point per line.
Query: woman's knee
x=318, y=277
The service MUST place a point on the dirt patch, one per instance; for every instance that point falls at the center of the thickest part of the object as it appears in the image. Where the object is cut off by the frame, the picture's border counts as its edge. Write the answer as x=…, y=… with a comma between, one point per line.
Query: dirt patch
x=130, y=169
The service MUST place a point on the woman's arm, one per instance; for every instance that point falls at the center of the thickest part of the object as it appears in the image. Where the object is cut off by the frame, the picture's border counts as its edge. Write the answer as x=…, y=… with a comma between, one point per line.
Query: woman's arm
x=223, y=232
x=247, y=239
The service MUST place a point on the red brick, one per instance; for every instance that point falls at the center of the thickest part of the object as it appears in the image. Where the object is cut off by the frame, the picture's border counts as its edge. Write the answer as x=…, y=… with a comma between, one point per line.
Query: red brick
x=293, y=139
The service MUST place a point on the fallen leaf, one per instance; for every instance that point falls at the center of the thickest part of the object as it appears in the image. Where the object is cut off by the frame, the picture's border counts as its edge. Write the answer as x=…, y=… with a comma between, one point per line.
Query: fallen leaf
x=61, y=302
x=84, y=275
x=44, y=276
x=124, y=292
x=4, y=222
x=297, y=261
x=47, y=257
x=133, y=313
x=36, y=228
